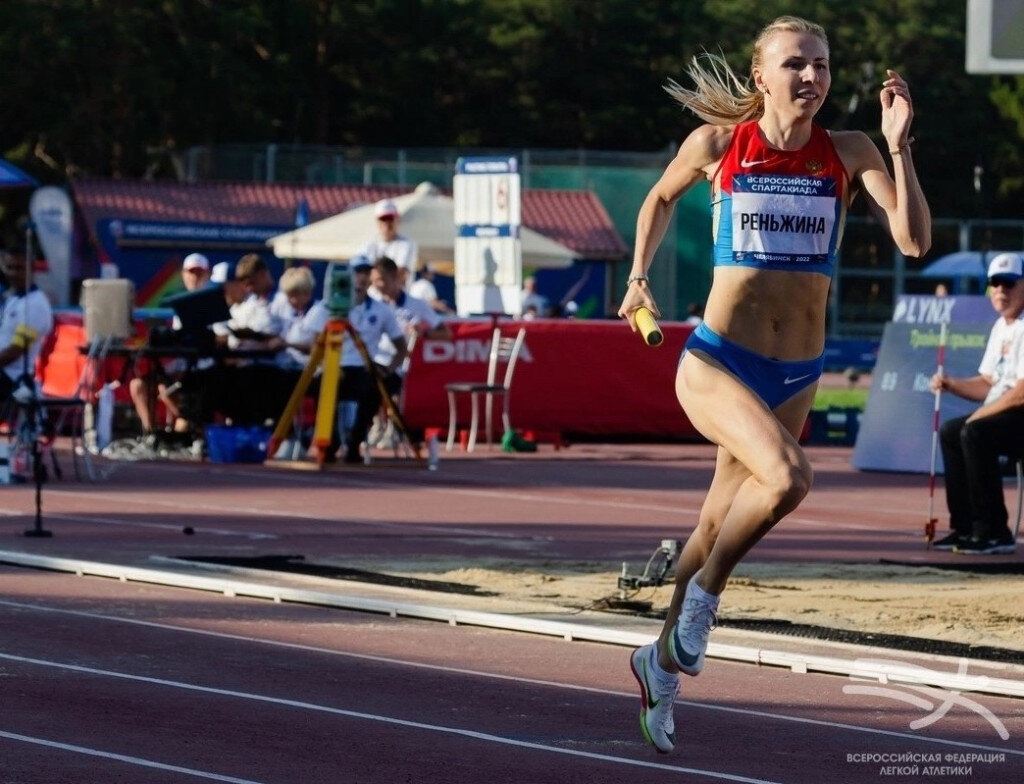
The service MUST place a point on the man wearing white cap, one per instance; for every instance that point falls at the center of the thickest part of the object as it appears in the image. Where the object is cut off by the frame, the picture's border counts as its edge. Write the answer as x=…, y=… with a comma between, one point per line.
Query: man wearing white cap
x=972, y=445
x=402, y=250
x=195, y=273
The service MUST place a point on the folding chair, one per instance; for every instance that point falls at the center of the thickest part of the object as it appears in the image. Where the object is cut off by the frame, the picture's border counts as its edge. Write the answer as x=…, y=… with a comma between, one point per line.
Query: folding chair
x=71, y=410
x=504, y=350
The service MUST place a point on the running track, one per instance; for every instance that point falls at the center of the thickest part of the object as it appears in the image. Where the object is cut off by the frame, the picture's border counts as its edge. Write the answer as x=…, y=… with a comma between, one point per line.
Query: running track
x=109, y=681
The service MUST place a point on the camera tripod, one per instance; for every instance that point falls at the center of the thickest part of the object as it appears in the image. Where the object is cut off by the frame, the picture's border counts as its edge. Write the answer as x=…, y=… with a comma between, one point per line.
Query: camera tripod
x=326, y=354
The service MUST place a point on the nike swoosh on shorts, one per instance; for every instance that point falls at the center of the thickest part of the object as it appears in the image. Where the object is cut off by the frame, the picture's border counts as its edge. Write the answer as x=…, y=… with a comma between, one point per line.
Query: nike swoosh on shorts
x=788, y=380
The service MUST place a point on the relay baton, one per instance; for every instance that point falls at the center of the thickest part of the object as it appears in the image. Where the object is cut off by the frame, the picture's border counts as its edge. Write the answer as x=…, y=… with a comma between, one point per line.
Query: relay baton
x=648, y=327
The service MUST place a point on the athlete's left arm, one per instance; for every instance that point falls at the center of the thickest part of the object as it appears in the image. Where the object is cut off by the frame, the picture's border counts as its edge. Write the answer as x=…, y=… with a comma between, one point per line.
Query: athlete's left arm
x=896, y=200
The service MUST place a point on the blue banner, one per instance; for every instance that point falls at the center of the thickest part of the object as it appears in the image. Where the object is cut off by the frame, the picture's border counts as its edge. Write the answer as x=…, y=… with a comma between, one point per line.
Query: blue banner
x=896, y=429
x=477, y=230
x=129, y=231
x=928, y=309
x=486, y=165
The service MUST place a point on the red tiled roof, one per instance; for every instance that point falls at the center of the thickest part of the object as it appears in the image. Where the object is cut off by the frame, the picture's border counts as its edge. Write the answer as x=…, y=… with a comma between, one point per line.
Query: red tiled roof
x=577, y=219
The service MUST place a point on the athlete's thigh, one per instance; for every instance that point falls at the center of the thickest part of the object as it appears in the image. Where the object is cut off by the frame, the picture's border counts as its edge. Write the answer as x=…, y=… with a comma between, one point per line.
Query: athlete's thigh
x=729, y=414
x=793, y=413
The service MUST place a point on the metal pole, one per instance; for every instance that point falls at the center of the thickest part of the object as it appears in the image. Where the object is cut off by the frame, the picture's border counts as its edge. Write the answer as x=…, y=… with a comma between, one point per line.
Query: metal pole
x=32, y=407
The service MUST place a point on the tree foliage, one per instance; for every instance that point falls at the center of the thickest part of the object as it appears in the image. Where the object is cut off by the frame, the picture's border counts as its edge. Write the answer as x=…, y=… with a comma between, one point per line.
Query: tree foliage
x=118, y=87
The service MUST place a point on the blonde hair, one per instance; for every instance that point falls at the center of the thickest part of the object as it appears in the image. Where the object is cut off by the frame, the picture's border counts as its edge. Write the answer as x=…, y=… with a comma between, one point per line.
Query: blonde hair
x=297, y=280
x=720, y=96
x=248, y=266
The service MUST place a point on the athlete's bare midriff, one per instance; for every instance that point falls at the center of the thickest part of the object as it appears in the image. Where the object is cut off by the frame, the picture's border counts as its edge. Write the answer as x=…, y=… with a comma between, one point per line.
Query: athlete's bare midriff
x=778, y=314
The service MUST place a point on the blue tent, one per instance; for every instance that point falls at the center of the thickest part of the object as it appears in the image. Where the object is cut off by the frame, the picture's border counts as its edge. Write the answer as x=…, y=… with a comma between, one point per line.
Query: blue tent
x=963, y=264
x=13, y=177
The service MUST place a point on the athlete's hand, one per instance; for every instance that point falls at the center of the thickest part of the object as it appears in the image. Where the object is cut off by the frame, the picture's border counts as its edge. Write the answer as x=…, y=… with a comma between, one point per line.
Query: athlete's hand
x=897, y=110
x=638, y=295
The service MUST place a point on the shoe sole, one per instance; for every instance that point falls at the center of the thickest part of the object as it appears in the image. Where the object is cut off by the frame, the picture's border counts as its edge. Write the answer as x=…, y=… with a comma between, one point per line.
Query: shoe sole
x=643, y=707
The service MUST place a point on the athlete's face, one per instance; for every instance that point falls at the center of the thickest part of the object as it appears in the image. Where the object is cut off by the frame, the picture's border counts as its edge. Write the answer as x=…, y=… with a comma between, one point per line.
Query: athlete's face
x=794, y=72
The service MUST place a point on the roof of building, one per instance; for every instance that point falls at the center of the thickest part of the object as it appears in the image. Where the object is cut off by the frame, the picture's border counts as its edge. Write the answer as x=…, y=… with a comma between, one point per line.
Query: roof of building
x=577, y=219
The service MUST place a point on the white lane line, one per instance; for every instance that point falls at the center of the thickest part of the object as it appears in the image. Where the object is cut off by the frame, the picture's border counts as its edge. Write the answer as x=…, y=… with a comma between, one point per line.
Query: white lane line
x=511, y=678
x=176, y=527
x=123, y=758
x=254, y=511
x=838, y=496
x=390, y=720
x=674, y=511
x=570, y=499
x=139, y=524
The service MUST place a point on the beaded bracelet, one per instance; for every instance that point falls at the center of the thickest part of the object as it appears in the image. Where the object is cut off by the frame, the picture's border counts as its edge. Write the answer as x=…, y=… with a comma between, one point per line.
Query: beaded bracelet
x=633, y=278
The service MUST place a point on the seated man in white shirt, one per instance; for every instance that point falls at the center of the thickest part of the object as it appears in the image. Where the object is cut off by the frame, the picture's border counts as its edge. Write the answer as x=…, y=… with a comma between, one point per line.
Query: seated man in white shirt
x=26, y=319
x=402, y=250
x=415, y=317
x=972, y=444
x=249, y=391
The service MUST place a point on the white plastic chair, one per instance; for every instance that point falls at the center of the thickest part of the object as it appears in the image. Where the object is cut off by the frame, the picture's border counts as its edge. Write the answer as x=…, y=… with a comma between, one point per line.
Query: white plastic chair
x=504, y=351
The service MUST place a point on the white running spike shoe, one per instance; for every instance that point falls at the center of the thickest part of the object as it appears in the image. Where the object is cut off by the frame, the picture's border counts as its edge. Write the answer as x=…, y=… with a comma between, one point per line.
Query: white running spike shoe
x=689, y=639
x=656, y=701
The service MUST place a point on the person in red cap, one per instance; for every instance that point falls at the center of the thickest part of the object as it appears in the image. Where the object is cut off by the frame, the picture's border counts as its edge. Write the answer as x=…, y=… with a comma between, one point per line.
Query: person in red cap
x=972, y=445
x=397, y=247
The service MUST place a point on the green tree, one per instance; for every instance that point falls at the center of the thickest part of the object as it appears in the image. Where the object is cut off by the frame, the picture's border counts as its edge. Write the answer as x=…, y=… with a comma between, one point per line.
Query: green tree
x=122, y=87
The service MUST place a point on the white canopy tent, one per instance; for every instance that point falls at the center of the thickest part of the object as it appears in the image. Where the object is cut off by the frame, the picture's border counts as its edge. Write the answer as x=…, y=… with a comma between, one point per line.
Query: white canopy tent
x=427, y=217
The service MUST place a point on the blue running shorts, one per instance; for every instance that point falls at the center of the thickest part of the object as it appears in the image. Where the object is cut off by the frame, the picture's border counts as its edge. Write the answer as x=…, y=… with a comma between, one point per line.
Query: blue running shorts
x=772, y=380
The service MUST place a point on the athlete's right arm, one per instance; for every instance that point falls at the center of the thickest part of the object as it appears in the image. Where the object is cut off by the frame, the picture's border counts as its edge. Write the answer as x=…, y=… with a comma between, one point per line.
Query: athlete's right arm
x=694, y=162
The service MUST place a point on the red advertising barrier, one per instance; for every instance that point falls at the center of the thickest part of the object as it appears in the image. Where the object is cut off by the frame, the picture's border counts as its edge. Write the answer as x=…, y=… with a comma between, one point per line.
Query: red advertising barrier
x=592, y=378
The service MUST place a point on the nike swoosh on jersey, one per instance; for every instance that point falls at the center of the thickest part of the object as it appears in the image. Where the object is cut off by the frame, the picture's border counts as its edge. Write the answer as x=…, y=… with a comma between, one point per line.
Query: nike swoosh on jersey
x=788, y=380
x=745, y=163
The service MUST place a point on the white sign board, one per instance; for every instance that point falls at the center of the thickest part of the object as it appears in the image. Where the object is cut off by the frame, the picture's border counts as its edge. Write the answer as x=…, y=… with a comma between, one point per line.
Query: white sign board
x=995, y=37
x=488, y=253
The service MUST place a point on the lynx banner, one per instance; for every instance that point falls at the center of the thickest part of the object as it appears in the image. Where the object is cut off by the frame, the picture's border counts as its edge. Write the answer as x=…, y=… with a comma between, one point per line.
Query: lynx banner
x=896, y=430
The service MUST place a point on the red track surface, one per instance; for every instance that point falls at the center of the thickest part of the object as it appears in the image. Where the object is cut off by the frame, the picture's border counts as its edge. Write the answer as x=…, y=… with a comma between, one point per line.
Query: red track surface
x=105, y=681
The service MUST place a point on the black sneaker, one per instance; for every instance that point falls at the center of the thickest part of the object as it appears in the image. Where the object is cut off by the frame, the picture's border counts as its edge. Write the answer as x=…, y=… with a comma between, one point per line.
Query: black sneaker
x=1004, y=546
x=950, y=541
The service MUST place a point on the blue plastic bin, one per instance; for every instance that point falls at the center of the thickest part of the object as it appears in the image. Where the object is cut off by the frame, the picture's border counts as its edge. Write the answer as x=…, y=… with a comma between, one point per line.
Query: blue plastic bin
x=229, y=444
